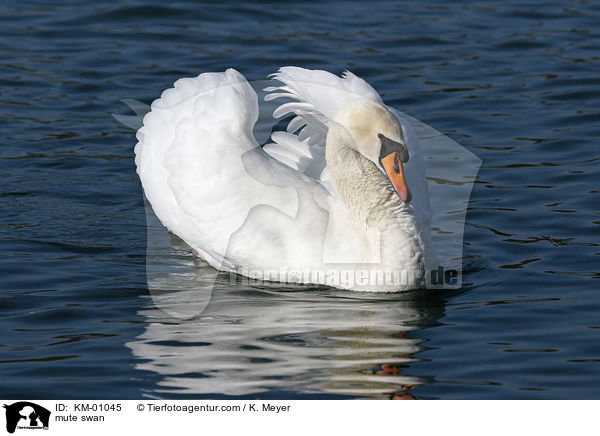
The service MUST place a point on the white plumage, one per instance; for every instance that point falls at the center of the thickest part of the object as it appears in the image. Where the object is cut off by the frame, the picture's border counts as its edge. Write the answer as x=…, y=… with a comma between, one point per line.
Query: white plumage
x=300, y=209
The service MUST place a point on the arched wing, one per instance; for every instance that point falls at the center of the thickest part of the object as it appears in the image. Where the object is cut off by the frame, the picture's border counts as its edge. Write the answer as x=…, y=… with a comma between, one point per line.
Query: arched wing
x=204, y=173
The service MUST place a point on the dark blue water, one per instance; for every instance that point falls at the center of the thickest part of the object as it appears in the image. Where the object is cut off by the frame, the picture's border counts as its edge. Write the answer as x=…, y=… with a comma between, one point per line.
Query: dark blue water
x=517, y=83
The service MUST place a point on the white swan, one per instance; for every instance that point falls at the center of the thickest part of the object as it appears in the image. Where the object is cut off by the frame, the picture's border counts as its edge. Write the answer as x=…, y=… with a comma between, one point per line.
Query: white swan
x=339, y=199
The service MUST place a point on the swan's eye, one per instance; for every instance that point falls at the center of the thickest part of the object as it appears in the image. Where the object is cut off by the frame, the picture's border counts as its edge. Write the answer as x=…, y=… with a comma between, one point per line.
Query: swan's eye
x=389, y=146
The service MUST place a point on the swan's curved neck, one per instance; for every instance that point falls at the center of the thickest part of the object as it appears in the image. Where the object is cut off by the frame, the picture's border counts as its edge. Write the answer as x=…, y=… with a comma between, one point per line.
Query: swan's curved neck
x=371, y=199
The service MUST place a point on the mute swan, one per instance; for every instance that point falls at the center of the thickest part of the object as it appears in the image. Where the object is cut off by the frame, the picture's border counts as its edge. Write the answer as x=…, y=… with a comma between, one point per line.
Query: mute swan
x=339, y=199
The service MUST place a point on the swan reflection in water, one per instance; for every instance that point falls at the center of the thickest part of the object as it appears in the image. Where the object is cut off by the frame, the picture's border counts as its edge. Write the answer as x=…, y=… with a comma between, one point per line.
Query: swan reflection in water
x=258, y=340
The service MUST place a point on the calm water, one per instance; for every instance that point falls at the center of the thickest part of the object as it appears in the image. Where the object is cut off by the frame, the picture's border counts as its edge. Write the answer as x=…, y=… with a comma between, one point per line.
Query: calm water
x=516, y=83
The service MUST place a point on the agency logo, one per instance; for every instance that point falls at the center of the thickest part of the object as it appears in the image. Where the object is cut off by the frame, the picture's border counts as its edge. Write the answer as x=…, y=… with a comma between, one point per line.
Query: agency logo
x=26, y=415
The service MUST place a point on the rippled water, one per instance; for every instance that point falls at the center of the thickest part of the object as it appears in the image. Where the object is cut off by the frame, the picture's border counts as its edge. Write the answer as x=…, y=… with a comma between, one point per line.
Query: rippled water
x=516, y=83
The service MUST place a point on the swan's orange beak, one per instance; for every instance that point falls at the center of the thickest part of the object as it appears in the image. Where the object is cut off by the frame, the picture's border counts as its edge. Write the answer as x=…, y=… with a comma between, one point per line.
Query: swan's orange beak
x=393, y=168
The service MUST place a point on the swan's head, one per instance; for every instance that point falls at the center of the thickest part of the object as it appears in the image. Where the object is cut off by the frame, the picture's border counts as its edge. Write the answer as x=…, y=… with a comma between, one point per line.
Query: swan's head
x=377, y=135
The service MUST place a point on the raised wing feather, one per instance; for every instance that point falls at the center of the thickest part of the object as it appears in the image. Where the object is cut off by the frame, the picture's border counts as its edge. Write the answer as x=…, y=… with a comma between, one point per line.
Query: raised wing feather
x=316, y=97
x=206, y=177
